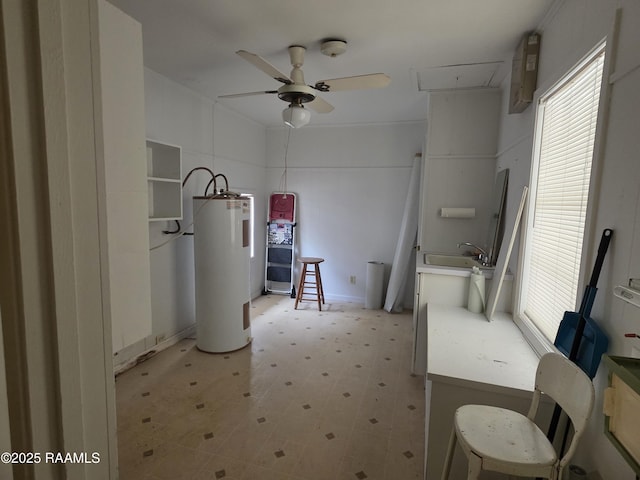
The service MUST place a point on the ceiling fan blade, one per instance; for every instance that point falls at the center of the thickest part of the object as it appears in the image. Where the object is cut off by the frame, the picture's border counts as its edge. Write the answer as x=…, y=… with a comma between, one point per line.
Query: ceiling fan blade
x=248, y=94
x=359, y=82
x=265, y=66
x=320, y=106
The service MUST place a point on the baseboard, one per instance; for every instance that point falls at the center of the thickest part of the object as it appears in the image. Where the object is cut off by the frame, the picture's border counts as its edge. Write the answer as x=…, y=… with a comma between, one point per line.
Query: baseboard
x=332, y=297
x=136, y=353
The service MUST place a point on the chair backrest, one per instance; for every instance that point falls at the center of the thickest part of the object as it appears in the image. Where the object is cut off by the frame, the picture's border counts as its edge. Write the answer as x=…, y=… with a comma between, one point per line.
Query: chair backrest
x=570, y=388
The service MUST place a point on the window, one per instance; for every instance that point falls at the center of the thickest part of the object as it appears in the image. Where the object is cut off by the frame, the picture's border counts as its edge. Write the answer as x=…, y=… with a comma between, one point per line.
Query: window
x=560, y=176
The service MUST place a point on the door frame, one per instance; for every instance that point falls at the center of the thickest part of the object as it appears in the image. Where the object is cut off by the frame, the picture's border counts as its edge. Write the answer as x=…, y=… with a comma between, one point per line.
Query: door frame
x=56, y=325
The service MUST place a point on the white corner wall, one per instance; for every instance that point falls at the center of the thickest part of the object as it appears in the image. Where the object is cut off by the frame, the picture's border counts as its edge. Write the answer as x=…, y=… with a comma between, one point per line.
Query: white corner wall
x=179, y=117
x=569, y=33
x=210, y=136
x=351, y=183
x=240, y=153
x=460, y=167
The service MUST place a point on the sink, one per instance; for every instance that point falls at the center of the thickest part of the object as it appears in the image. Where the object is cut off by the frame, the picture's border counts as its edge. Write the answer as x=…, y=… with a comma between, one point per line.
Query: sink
x=459, y=261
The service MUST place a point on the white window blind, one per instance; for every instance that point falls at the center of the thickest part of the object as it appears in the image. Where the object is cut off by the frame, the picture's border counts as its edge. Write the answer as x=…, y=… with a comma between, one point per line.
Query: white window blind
x=567, y=120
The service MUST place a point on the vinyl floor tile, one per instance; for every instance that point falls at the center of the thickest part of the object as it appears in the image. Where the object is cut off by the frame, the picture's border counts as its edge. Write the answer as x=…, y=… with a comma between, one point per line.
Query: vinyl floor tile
x=315, y=396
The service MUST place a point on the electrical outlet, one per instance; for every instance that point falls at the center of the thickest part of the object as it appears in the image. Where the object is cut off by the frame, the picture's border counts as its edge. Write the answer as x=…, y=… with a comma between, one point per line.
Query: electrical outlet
x=352, y=279
x=160, y=338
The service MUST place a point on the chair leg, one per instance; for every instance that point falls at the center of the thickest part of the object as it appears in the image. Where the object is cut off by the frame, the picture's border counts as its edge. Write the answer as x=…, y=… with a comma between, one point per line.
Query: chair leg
x=475, y=466
x=449, y=458
x=319, y=293
x=303, y=273
x=321, y=290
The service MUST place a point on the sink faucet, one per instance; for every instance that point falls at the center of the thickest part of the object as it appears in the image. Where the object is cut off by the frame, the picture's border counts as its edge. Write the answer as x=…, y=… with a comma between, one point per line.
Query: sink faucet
x=483, y=256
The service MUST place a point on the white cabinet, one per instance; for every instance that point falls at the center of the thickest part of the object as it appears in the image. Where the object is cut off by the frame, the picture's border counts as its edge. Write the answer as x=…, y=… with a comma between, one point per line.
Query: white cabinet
x=164, y=181
x=124, y=176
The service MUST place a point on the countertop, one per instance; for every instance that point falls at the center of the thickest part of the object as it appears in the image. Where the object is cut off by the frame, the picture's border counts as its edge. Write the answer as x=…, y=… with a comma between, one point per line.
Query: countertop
x=465, y=349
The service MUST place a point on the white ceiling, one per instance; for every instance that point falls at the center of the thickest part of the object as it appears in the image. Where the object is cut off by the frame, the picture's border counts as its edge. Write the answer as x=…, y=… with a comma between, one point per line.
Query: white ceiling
x=421, y=44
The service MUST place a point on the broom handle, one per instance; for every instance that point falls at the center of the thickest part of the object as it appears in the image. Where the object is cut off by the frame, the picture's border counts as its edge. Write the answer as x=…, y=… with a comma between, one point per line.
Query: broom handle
x=590, y=291
x=602, y=251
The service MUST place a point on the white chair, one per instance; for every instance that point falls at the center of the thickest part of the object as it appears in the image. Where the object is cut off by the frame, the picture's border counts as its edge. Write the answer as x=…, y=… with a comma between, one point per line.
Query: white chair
x=504, y=441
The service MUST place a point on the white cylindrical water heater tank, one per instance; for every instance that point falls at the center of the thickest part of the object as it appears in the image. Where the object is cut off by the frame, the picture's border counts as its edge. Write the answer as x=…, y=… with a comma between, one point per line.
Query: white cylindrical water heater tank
x=222, y=255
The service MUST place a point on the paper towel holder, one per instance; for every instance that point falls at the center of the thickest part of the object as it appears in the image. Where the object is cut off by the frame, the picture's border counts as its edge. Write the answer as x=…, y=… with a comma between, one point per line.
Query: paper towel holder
x=457, y=212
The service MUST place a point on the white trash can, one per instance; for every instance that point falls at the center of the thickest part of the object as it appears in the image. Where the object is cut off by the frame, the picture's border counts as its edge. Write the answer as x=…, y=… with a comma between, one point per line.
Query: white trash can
x=375, y=286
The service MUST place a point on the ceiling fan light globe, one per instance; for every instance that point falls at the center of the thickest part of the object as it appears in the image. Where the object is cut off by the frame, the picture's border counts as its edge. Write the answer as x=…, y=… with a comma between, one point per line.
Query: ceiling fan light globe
x=295, y=116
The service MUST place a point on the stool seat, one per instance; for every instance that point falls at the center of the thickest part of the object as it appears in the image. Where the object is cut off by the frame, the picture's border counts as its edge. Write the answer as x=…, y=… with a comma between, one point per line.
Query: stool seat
x=311, y=260
x=310, y=279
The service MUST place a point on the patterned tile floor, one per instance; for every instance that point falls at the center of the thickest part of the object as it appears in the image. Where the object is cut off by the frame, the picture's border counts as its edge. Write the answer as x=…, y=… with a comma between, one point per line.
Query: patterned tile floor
x=316, y=396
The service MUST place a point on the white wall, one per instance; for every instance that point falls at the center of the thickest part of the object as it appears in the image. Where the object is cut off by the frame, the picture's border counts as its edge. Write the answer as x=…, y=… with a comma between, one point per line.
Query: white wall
x=567, y=35
x=351, y=183
x=210, y=136
x=619, y=208
x=460, y=167
x=240, y=153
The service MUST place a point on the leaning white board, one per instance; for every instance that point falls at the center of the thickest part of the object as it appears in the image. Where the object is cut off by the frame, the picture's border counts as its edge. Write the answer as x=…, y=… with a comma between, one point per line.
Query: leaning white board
x=503, y=262
x=406, y=240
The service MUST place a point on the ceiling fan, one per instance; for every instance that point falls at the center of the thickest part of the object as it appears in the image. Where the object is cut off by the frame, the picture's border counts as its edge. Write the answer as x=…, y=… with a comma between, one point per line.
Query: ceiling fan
x=296, y=92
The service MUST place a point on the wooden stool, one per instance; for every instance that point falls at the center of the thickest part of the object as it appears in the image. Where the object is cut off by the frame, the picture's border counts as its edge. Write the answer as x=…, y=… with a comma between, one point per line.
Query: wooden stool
x=314, y=283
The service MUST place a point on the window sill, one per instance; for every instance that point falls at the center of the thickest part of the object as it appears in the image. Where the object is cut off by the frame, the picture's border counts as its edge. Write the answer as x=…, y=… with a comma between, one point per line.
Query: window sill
x=532, y=335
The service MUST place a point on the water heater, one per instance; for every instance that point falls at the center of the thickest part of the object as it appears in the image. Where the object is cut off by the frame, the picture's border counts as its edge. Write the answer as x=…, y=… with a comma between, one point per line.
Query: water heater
x=222, y=255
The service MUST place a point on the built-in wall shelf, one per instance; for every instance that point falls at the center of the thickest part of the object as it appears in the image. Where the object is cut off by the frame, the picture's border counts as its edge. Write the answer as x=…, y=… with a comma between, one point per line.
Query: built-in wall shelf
x=164, y=181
